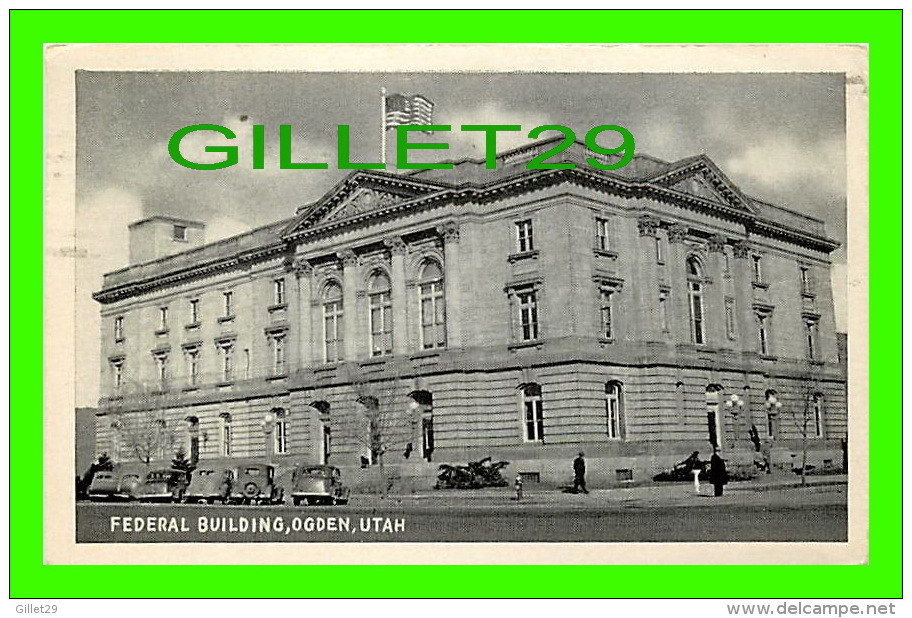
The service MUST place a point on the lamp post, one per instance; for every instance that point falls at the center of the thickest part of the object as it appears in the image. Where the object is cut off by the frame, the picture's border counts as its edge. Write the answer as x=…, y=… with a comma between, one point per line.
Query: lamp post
x=734, y=404
x=773, y=406
x=267, y=424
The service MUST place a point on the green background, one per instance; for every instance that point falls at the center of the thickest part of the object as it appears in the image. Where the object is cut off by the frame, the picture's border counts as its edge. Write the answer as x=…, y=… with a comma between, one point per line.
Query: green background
x=881, y=30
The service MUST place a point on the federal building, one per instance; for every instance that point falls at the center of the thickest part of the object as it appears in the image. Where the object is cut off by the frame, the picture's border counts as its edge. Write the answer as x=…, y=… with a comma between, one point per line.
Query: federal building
x=405, y=320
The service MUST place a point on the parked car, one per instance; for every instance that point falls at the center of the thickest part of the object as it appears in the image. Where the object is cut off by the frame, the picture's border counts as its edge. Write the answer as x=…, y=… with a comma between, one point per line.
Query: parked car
x=210, y=484
x=124, y=482
x=318, y=485
x=256, y=485
x=163, y=485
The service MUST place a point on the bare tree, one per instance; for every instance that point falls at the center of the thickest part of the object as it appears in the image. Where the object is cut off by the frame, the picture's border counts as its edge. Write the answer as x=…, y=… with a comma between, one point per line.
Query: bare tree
x=804, y=416
x=382, y=424
x=144, y=433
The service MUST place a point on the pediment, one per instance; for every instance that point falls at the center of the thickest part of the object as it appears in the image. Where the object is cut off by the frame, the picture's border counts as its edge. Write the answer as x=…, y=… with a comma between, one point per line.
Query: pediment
x=362, y=200
x=361, y=193
x=701, y=177
x=699, y=186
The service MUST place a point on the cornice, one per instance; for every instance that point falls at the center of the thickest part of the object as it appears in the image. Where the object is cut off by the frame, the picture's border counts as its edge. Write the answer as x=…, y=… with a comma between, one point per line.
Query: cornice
x=513, y=186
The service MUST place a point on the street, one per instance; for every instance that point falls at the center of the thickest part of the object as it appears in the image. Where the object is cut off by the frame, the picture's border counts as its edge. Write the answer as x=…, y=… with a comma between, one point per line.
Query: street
x=809, y=514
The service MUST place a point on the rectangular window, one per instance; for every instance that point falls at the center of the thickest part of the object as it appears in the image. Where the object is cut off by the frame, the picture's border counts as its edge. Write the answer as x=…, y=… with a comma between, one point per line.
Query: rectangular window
x=226, y=352
x=607, y=323
x=193, y=366
x=663, y=309
x=810, y=336
x=524, y=236
x=117, y=370
x=194, y=311
x=163, y=318
x=180, y=232
x=228, y=308
x=730, y=317
x=758, y=269
x=161, y=363
x=118, y=328
x=528, y=315
x=763, y=333
x=817, y=416
x=660, y=250
x=278, y=355
x=281, y=437
x=602, y=242
x=278, y=296
x=805, y=280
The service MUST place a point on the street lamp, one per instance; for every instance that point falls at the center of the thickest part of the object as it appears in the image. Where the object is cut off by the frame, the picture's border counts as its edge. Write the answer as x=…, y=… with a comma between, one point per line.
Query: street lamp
x=267, y=425
x=773, y=405
x=735, y=404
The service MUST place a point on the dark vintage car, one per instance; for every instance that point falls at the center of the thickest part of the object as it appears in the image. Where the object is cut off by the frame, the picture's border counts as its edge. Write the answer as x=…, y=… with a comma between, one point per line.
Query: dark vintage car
x=163, y=485
x=318, y=485
x=123, y=482
x=210, y=484
x=255, y=484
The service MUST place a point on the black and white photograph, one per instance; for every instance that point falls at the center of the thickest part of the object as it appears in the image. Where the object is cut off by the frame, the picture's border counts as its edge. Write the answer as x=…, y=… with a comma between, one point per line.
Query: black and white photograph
x=430, y=309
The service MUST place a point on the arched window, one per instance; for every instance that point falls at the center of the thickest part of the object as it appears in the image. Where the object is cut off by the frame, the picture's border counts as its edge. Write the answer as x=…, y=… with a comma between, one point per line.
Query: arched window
x=225, y=435
x=713, y=415
x=533, y=413
x=280, y=434
x=325, y=430
x=332, y=322
x=433, y=308
x=695, y=292
x=381, y=314
x=422, y=406
x=817, y=415
x=613, y=403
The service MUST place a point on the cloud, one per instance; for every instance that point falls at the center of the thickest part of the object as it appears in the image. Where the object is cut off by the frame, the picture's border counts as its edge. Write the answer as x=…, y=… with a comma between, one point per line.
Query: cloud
x=101, y=246
x=472, y=143
x=782, y=163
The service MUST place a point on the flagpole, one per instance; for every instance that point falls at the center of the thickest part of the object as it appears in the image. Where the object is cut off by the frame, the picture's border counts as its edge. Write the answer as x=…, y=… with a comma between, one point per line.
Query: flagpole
x=383, y=126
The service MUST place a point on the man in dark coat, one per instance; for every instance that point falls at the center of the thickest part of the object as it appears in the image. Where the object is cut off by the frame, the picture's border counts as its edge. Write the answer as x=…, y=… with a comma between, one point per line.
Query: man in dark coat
x=718, y=475
x=579, y=474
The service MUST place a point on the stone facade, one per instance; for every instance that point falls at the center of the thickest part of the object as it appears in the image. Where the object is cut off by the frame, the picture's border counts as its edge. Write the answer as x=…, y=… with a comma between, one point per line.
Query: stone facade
x=637, y=314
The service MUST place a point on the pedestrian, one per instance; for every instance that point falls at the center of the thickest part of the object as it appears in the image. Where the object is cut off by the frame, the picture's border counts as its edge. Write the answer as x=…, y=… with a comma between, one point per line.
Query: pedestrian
x=718, y=475
x=579, y=474
x=767, y=452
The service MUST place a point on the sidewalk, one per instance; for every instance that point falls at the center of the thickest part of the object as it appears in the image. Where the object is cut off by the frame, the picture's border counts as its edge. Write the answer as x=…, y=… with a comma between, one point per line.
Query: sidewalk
x=776, y=490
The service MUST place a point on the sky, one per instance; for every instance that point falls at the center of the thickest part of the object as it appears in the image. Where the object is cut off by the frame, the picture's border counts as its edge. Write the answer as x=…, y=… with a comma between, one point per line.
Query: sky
x=779, y=137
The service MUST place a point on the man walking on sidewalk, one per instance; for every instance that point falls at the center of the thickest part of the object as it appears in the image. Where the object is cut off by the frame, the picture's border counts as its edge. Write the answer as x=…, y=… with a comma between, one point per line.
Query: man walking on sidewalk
x=579, y=474
x=718, y=475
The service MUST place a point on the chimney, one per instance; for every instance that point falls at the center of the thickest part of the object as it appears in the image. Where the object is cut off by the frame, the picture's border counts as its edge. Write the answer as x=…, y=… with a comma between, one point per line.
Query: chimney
x=160, y=236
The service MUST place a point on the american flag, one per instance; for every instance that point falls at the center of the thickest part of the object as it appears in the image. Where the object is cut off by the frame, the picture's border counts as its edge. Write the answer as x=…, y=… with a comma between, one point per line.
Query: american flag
x=402, y=109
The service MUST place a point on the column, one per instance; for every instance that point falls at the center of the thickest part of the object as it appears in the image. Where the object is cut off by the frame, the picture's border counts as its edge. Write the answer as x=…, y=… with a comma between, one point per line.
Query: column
x=304, y=353
x=450, y=233
x=397, y=251
x=714, y=296
x=744, y=297
x=677, y=274
x=350, y=303
x=646, y=287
